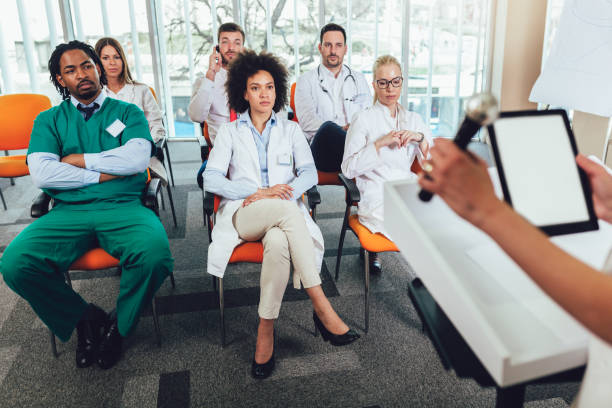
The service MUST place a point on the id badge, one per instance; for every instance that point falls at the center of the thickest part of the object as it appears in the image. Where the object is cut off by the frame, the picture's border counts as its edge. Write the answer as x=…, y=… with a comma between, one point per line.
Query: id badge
x=115, y=128
x=284, y=159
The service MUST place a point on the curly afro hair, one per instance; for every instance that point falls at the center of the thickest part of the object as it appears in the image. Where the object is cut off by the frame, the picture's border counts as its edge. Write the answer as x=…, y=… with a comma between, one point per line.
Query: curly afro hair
x=247, y=64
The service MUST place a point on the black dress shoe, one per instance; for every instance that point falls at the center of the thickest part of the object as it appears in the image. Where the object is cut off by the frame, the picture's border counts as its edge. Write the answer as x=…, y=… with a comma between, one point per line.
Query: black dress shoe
x=262, y=371
x=375, y=266
x=335, y=339
x=109, y=351
x=89, y=332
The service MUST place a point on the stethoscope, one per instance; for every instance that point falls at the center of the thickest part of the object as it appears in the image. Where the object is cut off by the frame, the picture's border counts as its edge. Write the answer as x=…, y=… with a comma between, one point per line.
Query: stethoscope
x=350, y=75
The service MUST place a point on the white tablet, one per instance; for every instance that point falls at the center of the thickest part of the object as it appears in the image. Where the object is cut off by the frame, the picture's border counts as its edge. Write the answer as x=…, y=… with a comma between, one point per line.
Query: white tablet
x=535, y=153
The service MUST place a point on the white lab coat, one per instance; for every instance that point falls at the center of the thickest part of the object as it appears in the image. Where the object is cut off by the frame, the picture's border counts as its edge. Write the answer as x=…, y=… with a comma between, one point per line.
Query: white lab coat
x=370, y=168
x=235, y=153
x=345, y=97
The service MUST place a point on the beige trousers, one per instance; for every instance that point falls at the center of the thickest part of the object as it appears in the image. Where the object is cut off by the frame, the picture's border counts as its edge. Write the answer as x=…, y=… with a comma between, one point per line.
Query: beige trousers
x=282, y=229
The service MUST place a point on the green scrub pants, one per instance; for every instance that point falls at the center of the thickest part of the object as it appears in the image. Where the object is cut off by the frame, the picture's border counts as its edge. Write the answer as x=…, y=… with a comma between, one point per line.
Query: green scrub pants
x=33, y=264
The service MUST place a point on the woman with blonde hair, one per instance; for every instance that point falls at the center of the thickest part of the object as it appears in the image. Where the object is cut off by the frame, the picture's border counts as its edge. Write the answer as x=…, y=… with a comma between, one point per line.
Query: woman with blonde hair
x=120, y=85
x=381, y=145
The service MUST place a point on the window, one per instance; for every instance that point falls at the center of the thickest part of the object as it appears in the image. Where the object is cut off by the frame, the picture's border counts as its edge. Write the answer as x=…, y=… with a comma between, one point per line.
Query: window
x=442, y=46
x=25, y=49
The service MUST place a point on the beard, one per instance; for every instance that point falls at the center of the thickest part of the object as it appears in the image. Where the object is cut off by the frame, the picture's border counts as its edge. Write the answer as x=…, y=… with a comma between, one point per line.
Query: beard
x=331, y=64
x=86, y=94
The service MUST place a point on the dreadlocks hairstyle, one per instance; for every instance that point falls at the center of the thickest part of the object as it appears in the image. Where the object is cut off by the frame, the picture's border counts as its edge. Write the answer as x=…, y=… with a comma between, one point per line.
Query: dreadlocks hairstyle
x=244, y=66
x=54, y=63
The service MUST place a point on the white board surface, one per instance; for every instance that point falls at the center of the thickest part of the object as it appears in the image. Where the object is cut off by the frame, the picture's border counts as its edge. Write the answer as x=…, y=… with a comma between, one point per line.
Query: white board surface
x=578, y=72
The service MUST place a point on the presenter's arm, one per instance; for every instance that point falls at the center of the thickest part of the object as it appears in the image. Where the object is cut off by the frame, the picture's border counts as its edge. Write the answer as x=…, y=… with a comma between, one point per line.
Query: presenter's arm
x=306, y=107
x=463, y=183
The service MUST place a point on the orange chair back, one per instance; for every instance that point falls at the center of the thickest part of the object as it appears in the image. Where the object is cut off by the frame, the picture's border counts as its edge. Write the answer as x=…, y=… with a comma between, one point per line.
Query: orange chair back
x=292, y=102
x=17, y=114
x=206, y=134
x=154, y=94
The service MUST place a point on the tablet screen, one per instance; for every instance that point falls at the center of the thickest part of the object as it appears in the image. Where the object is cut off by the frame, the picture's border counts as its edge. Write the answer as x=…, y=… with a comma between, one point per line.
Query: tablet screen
x=535, y=155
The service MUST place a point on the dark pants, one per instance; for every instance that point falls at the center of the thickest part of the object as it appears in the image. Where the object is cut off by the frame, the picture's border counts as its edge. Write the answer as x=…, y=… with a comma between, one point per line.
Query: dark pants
x=328, y=147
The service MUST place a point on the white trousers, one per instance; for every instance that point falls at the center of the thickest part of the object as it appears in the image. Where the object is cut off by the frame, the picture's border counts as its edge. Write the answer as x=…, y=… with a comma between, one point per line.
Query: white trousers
x=281, y=227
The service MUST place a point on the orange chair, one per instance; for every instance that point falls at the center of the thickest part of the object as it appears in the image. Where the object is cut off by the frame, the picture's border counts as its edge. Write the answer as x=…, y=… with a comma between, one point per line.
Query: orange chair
x=251, y=252
x=292, y=103
x=97, y=258
x=369, y=242
x=17, y=114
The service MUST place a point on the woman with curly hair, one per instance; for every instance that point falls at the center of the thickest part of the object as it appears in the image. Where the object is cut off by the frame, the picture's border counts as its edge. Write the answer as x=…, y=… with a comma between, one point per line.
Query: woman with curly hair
x=261, y=165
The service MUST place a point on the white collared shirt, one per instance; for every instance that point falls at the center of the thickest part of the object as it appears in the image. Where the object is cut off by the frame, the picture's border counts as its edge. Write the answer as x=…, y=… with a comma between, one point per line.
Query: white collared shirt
x=321, y=97
x=209, y=102
x=140, y=95
x=99, y=100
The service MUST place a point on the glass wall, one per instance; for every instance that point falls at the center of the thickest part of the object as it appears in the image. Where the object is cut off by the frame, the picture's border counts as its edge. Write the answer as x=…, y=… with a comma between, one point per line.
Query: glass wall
x=441, y=43
x=29, y=30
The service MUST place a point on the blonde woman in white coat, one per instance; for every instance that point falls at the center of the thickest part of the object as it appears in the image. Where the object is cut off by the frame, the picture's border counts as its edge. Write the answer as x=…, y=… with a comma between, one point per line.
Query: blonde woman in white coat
x=120, y=85
x=381, y=145
x=260, y=166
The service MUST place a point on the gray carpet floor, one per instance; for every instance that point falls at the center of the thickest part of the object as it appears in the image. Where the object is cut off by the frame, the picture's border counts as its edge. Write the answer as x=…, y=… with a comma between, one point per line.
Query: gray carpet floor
x=394, y=365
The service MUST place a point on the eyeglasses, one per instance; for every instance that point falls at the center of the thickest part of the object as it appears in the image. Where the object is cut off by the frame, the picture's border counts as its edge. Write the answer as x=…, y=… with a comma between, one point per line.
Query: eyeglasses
x=384, y=83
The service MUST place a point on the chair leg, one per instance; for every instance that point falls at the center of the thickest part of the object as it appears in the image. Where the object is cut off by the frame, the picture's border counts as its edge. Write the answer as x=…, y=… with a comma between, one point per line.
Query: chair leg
x=366, y=268
x=214, y=282
x=156, y=322
x=68, y=280
x=161, y=196
x=341, y=243
x=53, y=344
x=172, y=280
x=2, y=198
x=169, y=162
x=221, y=310
x=171, y=204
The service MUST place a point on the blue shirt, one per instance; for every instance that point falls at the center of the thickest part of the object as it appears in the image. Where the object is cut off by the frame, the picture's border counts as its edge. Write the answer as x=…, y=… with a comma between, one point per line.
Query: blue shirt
x=261, y=142
x=216, y=182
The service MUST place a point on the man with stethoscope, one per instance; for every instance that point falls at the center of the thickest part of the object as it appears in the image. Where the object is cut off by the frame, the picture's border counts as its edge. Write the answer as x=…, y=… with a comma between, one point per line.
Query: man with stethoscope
x=327, y=98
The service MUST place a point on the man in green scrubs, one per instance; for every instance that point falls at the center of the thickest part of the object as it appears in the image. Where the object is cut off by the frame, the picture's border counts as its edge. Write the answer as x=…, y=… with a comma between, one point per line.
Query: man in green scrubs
x=90, y=154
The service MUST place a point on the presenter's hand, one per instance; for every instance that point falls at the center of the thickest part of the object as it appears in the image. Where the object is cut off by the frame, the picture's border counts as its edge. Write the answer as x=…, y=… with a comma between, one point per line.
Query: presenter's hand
x=77, y=160
x=391, y=139
x=601, y=184
x=462, y=181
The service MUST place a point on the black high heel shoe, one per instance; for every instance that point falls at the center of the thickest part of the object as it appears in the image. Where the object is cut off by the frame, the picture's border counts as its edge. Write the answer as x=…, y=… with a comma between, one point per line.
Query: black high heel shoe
x=263, y=371
x=335, y=339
